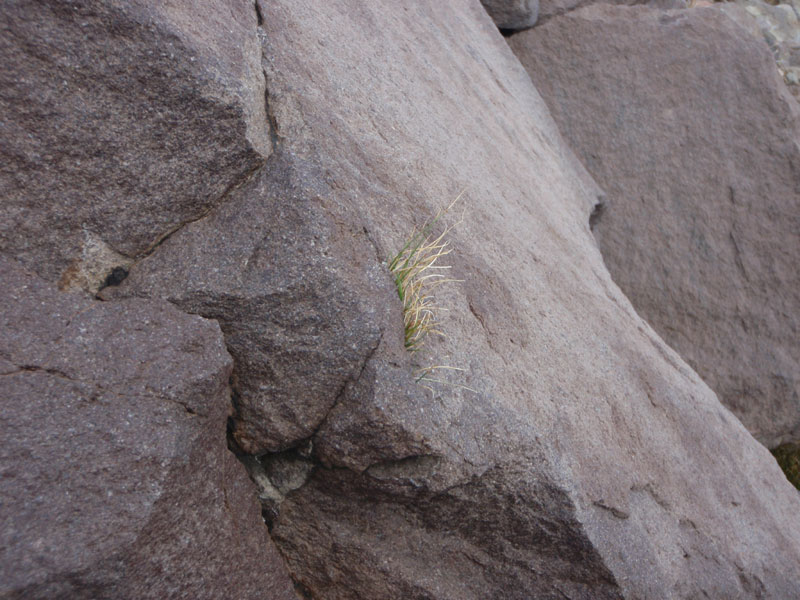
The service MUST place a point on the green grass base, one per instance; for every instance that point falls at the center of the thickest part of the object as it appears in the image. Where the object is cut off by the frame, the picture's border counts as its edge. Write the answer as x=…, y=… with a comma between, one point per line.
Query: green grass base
x=788, y=457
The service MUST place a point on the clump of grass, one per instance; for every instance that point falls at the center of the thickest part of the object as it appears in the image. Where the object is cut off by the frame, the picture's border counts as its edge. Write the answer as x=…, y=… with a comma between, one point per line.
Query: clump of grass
x=417, y=272
x=788, y=457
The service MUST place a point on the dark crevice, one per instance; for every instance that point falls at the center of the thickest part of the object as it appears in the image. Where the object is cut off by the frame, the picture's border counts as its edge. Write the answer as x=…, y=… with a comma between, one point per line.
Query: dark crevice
x=275, y=139
x=36, y=369
x=303, y=591
x=277, y=474
x=620, y=514
x=597, y=213
x=115, y=277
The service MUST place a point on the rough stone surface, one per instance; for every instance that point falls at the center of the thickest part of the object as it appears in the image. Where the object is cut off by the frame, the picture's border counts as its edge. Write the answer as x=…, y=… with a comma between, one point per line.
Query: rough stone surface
x=779, y=26
x=554, y=8
x=512, y=14
x=120, y=122
x=700, y=161
x=576, y=455
x=283, y=281
x=116, y=479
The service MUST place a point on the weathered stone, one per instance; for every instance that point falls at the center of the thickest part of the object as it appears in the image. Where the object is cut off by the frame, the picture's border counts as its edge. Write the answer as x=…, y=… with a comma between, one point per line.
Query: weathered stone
x=283, y=279
x=696, y=145
x=116, y=479
x=554, y=8
x=576, y=455
x=779, y=26
x=121, y=121
x=512, y=14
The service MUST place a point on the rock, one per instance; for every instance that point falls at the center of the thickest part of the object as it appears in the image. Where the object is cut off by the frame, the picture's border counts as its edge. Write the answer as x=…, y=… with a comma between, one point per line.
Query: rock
x=269, y=266
x=121, y=122
x=554, y=8
x=779, y=26
x=697, y=149
x=575, y=455
x=116, y=479
x=512, y=14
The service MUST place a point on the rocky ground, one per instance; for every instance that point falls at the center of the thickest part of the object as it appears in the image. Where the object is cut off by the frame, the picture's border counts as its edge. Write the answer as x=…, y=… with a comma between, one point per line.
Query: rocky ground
x=200, y=206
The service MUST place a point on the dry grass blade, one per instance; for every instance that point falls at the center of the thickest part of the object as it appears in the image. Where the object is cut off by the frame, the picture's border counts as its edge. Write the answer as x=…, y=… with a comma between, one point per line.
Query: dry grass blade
x=424, y=377
x=416, y=275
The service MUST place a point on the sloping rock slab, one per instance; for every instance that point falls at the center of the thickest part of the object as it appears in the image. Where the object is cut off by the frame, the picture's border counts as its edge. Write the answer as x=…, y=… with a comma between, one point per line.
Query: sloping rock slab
x=575, y=455
x=120, y=122
x=116, y=479
x=697, y=147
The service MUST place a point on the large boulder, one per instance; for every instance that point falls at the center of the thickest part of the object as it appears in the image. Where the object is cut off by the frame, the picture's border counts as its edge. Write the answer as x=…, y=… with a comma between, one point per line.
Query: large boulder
x=696, y=146
x=116, y=478
x=575, y=455
x=121, y=121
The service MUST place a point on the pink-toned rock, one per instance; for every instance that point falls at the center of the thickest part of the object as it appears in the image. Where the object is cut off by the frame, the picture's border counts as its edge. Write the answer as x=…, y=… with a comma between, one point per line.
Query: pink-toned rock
x=121, y=121
x=696, y=145
x=116, y=479
x=575, y=455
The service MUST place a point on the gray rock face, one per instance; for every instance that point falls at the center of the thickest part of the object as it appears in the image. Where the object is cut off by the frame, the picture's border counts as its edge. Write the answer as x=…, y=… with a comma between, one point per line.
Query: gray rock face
x=120, y=122
x=575, y=455
x=116, y=480
x=697, y=149
x=512, y=14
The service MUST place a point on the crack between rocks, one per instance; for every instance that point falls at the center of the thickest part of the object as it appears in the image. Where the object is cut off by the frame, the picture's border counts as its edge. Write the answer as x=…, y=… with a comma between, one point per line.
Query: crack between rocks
x=737, y=256
x=37, y=369
x=275, y=140
x=236, y=184
x=374, y=244
x=93, y=384
x=350, y=381
x=620, y=514
x=488, y=333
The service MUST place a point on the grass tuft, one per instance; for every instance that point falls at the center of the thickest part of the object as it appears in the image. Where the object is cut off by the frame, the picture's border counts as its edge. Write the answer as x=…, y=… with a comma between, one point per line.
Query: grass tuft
x=417, y=272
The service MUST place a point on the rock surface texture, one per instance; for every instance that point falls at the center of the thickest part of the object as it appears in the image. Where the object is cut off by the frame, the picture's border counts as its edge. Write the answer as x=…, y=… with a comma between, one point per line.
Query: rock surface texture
x=697, y=147
x=573, y=454
x=512, y=14
x=116, y=479
x=121, y=121
x=779, y=26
